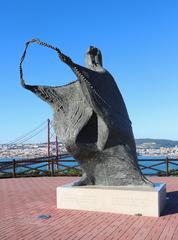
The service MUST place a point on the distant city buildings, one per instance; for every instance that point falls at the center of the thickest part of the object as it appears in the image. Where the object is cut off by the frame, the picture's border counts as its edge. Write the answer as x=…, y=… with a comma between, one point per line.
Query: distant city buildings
x=29, y=150
x=149, y=149
x=41, y=150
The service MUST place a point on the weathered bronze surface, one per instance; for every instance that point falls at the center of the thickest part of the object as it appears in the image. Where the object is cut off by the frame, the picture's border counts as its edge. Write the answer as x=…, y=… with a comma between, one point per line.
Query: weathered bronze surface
x=91, y=120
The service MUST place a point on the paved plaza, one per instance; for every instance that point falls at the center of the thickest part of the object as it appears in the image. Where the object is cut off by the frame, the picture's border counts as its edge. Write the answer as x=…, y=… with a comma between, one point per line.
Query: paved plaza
x=23, y=200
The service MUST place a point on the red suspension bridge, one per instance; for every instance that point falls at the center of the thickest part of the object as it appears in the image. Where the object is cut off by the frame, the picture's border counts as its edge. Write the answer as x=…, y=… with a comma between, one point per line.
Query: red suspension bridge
x=24, y=146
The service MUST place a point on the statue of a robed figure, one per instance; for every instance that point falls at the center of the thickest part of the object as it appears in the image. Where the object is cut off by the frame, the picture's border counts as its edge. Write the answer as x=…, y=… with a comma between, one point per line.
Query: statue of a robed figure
x=91, y=120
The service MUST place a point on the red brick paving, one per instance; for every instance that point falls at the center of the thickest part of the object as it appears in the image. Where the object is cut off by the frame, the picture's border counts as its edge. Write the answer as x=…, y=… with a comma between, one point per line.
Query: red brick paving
x=22, y=200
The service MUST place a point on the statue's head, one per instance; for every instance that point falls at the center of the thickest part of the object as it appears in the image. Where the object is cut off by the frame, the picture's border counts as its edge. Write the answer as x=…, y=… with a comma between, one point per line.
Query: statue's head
x=93, y=58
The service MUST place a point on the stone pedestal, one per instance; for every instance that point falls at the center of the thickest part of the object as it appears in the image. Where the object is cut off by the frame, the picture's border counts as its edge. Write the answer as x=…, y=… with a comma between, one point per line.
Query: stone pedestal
x=145, y=201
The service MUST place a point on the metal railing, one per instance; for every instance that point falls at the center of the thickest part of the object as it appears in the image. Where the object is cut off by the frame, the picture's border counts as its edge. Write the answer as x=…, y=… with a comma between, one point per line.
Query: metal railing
x=65, y=165
x=159, y=167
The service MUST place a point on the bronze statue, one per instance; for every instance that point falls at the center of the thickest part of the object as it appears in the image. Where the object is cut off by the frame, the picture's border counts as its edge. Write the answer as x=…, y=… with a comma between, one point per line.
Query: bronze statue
x=91, y=120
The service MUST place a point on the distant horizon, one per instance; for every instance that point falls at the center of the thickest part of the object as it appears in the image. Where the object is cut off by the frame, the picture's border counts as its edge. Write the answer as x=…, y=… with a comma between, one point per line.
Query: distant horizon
x=164, y=139
x=158, y=139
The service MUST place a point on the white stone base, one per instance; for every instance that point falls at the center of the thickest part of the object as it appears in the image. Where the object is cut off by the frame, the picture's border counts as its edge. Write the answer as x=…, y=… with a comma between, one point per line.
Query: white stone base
x=145, y=201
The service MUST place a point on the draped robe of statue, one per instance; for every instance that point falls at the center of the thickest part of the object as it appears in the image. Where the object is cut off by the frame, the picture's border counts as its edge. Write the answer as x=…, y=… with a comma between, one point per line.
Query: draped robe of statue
x=91, y=120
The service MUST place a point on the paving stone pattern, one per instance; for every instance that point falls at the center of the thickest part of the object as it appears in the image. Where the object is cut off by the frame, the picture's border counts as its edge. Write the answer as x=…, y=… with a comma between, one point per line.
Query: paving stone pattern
x=23, y=200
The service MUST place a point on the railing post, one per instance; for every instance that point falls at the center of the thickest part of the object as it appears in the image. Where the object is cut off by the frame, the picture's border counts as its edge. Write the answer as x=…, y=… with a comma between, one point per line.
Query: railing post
x=57, y=154
x=13, y=168
x=49, y=143
x=52, y=168
x=167, y=167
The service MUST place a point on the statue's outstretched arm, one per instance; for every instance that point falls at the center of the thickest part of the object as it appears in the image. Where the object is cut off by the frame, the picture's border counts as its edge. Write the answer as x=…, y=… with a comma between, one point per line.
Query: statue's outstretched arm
x=62, y=56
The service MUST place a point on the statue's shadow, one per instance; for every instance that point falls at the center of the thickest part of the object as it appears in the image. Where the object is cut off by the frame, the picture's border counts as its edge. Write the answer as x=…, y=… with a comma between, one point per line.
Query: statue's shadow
x=171, y=203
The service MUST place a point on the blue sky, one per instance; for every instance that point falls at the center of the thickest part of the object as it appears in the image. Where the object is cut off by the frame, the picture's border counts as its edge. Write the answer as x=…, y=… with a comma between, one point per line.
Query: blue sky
x=139, y=43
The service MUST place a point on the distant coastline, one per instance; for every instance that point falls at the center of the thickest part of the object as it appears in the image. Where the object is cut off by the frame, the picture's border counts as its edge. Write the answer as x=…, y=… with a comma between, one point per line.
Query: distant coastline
x=146, y=147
